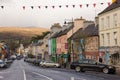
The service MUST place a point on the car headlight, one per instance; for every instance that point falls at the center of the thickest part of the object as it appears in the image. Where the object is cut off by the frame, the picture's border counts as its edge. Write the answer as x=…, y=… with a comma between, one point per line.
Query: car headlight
x=110, y=66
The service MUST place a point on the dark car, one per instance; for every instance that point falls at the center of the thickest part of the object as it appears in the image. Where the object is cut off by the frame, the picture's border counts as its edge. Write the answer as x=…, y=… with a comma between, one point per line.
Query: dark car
x=91, y=65
x=37, y=61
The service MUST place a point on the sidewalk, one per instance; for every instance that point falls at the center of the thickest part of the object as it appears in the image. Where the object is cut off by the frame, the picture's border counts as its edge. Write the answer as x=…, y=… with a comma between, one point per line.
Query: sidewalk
x=117, y=70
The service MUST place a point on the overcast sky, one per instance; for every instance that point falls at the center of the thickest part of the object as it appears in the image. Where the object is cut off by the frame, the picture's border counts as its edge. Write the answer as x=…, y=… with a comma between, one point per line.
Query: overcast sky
x=14, y=15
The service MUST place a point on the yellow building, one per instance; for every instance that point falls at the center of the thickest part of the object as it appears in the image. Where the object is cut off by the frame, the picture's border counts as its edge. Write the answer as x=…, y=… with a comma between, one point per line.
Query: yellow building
x=109, y=32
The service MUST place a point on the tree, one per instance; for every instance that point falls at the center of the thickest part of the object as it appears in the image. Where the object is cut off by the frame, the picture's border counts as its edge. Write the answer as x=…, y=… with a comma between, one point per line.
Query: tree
x=39, y=37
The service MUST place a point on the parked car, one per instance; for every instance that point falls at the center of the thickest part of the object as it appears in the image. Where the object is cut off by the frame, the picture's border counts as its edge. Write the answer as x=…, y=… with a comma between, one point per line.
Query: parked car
x=88, y=65
x=49, y=64
x=37, y=61
x=2, y=64
x=13, y=57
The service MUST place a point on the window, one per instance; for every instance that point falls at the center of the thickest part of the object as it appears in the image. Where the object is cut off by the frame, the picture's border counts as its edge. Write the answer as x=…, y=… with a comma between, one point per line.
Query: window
x=102, y=23
x=115, y=20
x=85, y=61
x=102, y=35
x=107, y=21
x=115, y=38
x=92, y=62
x=108, y=38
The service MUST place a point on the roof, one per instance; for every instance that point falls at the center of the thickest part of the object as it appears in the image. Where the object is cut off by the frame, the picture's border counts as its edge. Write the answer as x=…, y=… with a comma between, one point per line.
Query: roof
x=65, y=31
x=111, y=7
x=90, y=30
x=62, y=31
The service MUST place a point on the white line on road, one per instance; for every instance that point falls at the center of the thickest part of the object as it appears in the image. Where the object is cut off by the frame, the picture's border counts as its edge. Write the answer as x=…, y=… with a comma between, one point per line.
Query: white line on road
x=24, y=74
x=42, y=75
x=4, y=72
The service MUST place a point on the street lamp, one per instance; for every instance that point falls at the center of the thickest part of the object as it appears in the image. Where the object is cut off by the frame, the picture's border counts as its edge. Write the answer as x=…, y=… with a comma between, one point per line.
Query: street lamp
x=71, y=21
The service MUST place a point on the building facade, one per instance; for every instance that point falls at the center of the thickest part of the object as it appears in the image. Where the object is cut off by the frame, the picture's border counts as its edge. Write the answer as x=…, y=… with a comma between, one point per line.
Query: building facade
x=109, y=31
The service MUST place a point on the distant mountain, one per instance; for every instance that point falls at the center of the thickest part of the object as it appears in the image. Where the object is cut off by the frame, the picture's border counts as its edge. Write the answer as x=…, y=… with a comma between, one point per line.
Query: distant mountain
x=23, y=34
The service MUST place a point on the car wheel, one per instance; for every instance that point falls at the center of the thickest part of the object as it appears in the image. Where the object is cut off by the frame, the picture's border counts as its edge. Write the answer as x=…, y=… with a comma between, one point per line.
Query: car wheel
x=77, y=69
x=55, y=66
x=105, y=70
x=43, y=66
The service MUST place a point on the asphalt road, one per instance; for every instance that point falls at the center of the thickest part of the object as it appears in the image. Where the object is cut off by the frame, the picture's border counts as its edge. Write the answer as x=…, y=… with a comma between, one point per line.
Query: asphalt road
x=21, y=70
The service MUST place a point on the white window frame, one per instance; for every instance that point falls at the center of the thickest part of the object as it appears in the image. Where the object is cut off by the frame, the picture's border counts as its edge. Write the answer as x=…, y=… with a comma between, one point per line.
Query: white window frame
x=102, y=35
x=108, y=38
x=115, y=17
x=115, y=38
x=108, y=21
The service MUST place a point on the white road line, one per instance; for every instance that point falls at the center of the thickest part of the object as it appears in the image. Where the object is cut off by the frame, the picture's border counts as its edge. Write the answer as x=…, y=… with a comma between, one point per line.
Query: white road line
x=42, y=75
x=4, y=72
x=24, y=74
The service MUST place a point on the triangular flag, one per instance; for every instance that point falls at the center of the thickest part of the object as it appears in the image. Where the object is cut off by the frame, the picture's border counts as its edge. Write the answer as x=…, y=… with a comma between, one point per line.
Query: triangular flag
x=73, y=6
x=87, y=5
x=32, y=7
x=101, y=3
x=23, y=7
x=80, y=5
x=108, y=3
x=2, y=7
x=66, y=6
x=94, y=4
x=39, y=7
x=53, y=7
x=60, y=6
x=46, y=7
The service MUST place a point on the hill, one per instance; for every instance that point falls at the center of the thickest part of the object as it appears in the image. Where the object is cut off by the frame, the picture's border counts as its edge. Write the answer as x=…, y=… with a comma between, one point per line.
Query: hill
x=19, y=34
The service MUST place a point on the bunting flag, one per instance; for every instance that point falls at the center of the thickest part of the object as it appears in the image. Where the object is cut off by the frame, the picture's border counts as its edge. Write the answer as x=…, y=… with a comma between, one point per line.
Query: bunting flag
x=23, y=7
x=60, y=6
x=94, y=5
x=2, y=7
x=53, y=7
x=66, y=6
x=73, y=6
x=32, y=7
x=113, y=1
x=87, y=5
x=80, y=5
x=109, y=4
x=39, y=7
x=46, y=7
x=101, y=3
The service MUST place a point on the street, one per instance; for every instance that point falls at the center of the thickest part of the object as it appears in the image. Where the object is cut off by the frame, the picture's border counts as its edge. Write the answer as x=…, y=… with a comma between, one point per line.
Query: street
x=21, y=70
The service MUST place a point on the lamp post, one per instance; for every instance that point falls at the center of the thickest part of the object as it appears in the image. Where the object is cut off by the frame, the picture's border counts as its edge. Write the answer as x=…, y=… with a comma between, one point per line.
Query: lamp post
x=71, y=21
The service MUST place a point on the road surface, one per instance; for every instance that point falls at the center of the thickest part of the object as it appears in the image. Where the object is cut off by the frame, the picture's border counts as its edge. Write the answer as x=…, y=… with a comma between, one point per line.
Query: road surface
x=21, y=70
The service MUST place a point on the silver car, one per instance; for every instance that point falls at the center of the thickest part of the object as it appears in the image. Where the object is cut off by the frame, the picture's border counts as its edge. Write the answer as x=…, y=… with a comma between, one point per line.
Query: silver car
x=49, y=64
x=2, y=64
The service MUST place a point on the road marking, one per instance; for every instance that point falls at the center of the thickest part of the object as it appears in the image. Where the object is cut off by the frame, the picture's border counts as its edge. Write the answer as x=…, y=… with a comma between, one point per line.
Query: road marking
x=42, y=75
x=4, y=72
x=24, y=74
x=1, y=77
x=72, y=78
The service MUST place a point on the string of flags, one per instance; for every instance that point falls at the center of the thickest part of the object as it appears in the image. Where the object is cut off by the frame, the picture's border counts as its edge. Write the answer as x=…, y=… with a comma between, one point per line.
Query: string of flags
x=60, y=6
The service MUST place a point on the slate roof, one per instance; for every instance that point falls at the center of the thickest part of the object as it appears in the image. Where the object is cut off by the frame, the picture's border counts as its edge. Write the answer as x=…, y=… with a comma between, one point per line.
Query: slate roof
x=111, y=7
x=62, y=32
x=90, y=30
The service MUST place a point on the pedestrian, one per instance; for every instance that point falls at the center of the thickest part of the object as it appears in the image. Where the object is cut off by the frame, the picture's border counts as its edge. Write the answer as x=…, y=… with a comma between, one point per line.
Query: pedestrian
x=110, y=61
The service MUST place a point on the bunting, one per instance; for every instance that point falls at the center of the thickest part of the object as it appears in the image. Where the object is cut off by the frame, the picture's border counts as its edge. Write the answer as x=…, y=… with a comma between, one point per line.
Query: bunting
x=2, y=7
x=60, y=6
x=23, y=7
